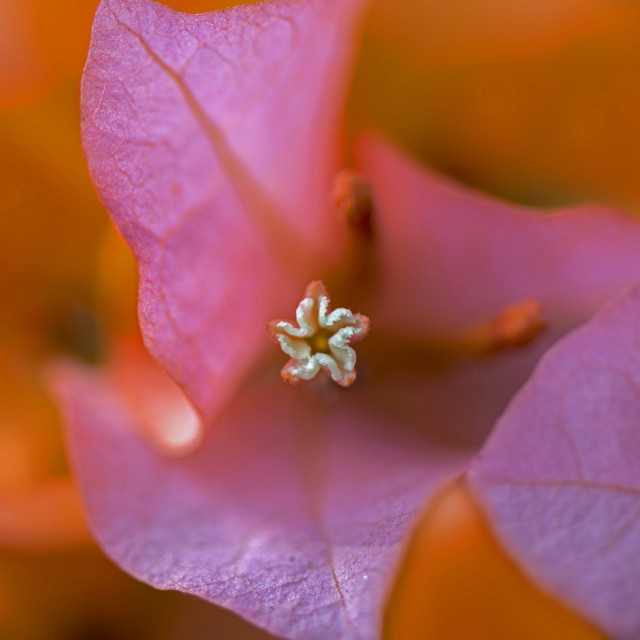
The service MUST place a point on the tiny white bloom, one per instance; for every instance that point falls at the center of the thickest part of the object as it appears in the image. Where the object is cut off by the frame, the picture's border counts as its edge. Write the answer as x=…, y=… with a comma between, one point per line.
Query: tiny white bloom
x=321, y=341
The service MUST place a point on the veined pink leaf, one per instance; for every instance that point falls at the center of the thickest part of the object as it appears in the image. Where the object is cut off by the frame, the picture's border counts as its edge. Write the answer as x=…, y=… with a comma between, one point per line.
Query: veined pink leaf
x=449, y=258
x=211, y=140
x=461, y=256
x=292, y=512
x=560, y=477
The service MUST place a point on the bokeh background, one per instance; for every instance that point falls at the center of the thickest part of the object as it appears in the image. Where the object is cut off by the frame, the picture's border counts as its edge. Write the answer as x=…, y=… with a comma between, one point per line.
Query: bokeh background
x=536, y=101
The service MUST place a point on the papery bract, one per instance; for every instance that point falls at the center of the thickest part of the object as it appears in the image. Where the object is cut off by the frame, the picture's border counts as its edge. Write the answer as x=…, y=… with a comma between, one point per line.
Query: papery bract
x=292, y=512
x=460, y=257
x=560, y=475
x=199, y=129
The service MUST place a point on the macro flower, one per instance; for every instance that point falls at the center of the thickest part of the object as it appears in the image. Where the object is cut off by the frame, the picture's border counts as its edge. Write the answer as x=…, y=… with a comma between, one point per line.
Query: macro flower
x=321, y=341
x=215, y=143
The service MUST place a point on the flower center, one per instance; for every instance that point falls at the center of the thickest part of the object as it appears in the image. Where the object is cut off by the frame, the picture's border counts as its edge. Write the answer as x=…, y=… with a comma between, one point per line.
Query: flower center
x=321, y=340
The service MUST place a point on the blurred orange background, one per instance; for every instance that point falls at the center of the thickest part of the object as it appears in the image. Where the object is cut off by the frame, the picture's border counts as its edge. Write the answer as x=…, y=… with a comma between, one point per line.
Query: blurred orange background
x=535, y=101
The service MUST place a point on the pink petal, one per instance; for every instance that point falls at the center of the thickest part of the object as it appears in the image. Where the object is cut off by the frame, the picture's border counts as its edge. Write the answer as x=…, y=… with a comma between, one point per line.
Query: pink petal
x=560, y=477
x=292, y=513
x=451, y=257
x=211, y=140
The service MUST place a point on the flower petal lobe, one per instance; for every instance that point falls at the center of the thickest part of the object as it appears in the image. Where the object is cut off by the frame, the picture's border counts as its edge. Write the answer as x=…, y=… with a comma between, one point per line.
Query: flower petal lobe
x=211, y=140
x=461, y=256
x=560, y=477
x=293, y=511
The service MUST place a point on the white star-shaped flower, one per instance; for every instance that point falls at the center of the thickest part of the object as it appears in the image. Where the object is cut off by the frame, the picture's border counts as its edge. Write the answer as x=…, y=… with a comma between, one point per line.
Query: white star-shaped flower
x=321, y=340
